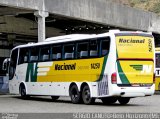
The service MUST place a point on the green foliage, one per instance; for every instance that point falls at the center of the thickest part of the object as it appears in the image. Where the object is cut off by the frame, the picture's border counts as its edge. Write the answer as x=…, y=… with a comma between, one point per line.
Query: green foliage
x=156, y=8
x=143, y=1
x=135, y=2
x=150, y=5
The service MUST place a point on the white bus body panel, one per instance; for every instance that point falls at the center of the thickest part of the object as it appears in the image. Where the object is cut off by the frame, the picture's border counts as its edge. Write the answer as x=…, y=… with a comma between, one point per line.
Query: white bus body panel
x=62, y=88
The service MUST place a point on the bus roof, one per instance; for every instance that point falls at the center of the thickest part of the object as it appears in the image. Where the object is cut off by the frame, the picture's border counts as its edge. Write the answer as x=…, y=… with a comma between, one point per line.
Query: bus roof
x=69, y=37
x=61, y=39
x=76, y=37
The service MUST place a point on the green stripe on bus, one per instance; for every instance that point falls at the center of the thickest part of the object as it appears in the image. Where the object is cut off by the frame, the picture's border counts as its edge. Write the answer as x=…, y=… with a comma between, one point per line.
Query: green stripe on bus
x=103, y=68
x=122, y=75
x=31, y=72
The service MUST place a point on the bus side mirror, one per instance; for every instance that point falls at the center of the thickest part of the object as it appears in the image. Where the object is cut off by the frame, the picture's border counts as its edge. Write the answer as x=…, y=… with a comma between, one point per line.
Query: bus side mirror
x=4, y=67
x=5, y=64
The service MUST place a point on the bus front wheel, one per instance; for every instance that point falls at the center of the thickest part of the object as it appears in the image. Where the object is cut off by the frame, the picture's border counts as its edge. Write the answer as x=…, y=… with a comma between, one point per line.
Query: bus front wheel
x=75, y=94
x=86, y=95
x=22, y=91
x=123, y=100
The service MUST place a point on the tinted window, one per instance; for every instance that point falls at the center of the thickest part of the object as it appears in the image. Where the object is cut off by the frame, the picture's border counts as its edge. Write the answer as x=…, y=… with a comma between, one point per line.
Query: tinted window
x=56, y=52
x=45, y=53
x=69, y=51
x=82, y=50
x=93, y=49
x=104, y=45
x=13, y=63
x=24, y=55
x=34, y=56
x=157, y=60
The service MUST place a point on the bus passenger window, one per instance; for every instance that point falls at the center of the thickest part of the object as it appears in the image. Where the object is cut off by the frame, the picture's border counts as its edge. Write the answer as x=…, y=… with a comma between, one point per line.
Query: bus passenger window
x=24, y=55
x=44, y=53
x=93, y=48
x=69, y=51
x=34, y=54
x=56, y=52
x=105, y=44
x=82, y=50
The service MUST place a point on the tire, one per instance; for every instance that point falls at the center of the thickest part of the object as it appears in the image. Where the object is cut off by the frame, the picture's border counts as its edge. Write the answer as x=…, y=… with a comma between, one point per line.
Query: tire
x=22, y=91
x=54, y=98
x=109, y=100
x=86, y=96
x=123, y=101
x=75, y=95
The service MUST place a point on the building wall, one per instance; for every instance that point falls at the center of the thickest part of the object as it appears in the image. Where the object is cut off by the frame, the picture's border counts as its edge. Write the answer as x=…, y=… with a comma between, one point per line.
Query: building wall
x=99, y=11
x=4, y=52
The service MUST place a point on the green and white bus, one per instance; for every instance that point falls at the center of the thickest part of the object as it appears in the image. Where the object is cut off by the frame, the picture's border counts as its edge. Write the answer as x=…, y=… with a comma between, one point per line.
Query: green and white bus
x=112, y=66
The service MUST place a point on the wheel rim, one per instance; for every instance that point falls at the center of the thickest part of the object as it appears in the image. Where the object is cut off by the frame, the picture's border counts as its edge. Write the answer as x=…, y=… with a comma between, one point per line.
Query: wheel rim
x=87, y=95
x=23, y=92
x=74, y=94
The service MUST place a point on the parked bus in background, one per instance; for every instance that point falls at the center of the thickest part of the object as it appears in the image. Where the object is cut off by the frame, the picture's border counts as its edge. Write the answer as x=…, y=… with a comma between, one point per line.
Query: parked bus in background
x=4, y=78
x=157, y=65
x=117, y=65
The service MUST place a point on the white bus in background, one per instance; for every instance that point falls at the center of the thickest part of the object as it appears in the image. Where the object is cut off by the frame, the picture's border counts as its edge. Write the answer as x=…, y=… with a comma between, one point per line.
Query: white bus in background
x=118, y=65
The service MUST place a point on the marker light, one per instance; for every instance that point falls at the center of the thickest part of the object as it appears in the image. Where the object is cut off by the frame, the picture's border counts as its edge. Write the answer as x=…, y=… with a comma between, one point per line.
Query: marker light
x=114, y=78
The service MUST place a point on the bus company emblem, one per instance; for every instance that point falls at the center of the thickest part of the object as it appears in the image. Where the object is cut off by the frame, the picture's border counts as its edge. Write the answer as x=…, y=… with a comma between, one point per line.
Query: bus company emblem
x=121, y=40
x=65, y=66
x=137, y=67
x=142, y=68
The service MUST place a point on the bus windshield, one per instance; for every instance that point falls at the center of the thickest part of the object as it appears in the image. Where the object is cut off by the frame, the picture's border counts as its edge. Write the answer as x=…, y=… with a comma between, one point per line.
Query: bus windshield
x=157, y=60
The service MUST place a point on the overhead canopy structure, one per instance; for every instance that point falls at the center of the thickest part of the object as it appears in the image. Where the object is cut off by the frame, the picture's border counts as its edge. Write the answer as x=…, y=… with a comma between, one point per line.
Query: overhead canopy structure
x=27, y=18
x=102, y=11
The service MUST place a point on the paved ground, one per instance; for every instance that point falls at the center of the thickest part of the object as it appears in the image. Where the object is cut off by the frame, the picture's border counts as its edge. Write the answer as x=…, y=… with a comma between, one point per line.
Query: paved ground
x=13, y=104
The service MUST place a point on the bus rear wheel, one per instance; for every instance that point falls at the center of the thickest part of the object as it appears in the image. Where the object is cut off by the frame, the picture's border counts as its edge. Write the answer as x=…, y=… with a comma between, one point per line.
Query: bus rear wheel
x=86, y=95
x=75, y=95
x=54, y=98
x=123, y=100
x=109, y=100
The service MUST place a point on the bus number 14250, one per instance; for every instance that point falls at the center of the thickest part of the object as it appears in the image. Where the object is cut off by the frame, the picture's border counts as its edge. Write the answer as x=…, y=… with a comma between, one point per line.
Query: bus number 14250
x=95, y=65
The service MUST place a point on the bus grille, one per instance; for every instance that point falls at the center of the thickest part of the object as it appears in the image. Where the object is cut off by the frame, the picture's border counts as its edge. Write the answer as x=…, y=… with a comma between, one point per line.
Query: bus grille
x=102, y=88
